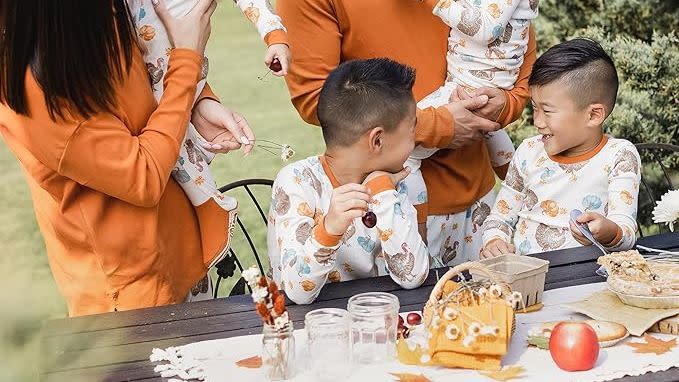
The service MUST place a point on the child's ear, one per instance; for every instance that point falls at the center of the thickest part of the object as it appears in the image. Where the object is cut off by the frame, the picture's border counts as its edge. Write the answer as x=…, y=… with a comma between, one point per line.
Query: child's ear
x=376, y=139
x=597, y=114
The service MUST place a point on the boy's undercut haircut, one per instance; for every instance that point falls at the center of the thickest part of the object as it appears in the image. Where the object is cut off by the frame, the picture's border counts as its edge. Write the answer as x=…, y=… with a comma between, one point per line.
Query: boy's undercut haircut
x=363, y=94
x=584, y=67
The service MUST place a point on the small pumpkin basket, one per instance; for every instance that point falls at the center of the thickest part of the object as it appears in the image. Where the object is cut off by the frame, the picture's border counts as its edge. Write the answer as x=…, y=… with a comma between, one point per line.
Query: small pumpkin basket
x=470, y=323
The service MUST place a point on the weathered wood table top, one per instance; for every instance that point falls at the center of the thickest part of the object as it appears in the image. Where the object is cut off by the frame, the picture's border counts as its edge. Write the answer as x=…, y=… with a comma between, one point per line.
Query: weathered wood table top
x=116, y=346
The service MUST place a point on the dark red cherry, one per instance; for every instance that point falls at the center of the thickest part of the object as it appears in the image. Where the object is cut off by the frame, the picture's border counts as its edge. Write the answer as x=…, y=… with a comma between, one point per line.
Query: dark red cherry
x=414, y=318
x=400, y=321
x=276, y=65
x=369, y=219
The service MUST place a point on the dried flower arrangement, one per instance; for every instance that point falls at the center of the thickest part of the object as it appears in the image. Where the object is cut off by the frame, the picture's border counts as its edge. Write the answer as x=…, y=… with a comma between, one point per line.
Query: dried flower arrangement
x=278, y=340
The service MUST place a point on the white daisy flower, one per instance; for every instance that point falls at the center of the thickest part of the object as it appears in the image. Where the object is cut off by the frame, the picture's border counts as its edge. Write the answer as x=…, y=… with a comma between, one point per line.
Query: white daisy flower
x=449, y=313
x=452, y=332
x=251, y=275
x=495, y=290
x=286, y=153
x=667, y=209
x=474, y=328
x=259, y=294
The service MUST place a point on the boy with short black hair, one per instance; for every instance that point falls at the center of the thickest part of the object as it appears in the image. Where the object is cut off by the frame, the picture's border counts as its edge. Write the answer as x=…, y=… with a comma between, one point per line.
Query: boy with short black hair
x=571, y=165
x=339, y=216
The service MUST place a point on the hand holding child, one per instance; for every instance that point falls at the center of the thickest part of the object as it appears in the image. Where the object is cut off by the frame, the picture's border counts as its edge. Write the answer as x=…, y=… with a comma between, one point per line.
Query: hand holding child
x=191, y=31
x=469, y=127
x=603, y=229
x=282, y=53
x=348, y=202
x=492, y=109
x=496, y=247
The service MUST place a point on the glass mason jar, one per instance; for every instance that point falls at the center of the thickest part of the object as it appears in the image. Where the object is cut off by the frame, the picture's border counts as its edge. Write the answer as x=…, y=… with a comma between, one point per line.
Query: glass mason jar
x=328, y=348
x=278, y=352
x=374, y=321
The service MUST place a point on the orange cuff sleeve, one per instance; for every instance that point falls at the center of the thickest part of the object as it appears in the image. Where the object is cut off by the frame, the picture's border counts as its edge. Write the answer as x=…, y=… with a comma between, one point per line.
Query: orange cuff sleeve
x=276, y=36
x=616, y=239
x=379, y=184
x=207, y=93
x=434, y=127
x=324, y=238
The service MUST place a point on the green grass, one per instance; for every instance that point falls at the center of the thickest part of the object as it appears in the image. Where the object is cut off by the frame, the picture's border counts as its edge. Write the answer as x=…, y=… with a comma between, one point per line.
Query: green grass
x=28, y=294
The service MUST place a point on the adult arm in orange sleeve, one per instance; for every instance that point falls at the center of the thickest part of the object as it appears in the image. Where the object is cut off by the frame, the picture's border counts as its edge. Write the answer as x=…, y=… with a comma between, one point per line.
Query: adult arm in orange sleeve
x=516, y=99
x=315, y=43
x=102, y=154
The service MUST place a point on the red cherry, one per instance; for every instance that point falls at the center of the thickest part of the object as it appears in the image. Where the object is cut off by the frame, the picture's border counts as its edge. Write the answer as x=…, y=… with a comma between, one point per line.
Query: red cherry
x=276, y=65
x=400, y=320
x=369, y=219
x=414, y=318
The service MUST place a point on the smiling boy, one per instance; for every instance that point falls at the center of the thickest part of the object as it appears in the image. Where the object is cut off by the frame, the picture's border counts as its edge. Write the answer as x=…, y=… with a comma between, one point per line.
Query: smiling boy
x=571, y=165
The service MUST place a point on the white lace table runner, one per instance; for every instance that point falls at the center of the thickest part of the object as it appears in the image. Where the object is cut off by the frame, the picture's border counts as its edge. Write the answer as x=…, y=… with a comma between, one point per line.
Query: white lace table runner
x=214, y=360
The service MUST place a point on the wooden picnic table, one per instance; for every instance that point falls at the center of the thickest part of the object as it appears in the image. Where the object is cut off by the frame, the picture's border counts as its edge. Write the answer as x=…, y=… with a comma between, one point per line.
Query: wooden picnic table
x=116, y=346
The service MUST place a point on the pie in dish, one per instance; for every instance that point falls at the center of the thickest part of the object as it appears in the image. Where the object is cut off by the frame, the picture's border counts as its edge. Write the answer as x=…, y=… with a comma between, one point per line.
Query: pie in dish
x=631, y=274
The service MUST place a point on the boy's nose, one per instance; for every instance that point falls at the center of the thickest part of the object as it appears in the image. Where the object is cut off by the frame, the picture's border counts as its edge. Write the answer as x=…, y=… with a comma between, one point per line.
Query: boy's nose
x=538, y=120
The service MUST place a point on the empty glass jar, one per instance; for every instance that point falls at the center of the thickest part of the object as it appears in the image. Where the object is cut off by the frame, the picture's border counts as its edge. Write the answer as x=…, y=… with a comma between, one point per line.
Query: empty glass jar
x=328, y=346
x=374, y=320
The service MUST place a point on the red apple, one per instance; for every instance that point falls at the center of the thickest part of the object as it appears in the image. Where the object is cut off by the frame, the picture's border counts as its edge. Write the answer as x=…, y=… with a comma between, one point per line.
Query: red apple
x=574, y=346
x=414, y=318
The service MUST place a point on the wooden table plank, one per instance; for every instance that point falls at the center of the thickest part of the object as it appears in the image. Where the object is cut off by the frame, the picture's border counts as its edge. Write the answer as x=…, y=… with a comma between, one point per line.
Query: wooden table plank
x=172, y=313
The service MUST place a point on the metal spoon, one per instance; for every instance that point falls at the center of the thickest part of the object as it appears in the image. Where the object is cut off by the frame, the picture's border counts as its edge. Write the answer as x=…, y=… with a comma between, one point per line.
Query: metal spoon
x=584, y=230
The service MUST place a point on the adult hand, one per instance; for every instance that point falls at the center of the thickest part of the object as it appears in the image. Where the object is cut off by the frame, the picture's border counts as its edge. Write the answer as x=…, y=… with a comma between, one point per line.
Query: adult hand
x=603, y=229
x=496, y=247
x=282, y=53
x=224, y=129
x=468, y=126
x=348, y=202
x=491, y=110
x=191, y=31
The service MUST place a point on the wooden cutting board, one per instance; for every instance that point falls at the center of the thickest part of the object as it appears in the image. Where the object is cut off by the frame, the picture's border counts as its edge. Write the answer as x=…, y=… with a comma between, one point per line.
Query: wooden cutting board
x=667, y=326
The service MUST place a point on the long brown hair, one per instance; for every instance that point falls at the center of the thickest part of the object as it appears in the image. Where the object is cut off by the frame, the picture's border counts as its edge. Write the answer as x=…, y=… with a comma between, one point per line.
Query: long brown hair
x=77, y=51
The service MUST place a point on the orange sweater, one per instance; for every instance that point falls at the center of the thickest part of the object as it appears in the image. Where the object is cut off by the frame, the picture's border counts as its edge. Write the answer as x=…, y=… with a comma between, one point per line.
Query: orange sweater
x=323, y=33
x=120, y=233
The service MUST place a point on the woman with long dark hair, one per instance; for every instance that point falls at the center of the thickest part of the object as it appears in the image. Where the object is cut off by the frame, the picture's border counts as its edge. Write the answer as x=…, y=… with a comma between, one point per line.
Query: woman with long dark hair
x=77, y=110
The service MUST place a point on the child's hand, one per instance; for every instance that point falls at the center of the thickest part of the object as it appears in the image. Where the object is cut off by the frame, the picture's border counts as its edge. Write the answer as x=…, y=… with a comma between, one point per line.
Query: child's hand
x=496, y=247
x=603, y=230
x=282, y=53
x=348, y=202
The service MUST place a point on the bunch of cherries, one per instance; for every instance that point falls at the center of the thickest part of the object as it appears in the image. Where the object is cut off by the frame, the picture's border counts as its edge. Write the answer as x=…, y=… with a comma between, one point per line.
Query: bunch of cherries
x=412, y=319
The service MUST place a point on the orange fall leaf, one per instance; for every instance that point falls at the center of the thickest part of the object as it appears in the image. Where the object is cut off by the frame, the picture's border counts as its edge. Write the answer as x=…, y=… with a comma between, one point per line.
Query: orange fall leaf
x=408, y=377
x=506, y=373
x=254, y=362
x=653, y=345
